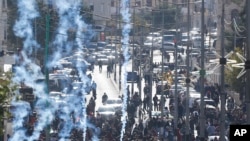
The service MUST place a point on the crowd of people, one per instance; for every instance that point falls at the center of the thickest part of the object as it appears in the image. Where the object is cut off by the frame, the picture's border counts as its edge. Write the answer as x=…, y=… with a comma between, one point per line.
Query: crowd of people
x=140, y=126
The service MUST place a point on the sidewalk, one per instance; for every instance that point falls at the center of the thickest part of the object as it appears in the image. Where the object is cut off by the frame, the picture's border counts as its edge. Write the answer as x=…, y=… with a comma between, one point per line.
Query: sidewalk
x=115, y=81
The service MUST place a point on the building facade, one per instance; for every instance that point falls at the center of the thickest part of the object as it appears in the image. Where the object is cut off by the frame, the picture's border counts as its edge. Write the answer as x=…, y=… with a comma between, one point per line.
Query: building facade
x=3, y=24
x=3, y=33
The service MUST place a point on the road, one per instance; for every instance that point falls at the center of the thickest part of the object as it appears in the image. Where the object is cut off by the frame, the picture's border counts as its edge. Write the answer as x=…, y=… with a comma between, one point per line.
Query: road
x=104, y=85
x=109, y=86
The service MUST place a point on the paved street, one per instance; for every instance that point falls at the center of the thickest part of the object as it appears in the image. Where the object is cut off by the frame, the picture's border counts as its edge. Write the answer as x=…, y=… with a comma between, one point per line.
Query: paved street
x=104, y=84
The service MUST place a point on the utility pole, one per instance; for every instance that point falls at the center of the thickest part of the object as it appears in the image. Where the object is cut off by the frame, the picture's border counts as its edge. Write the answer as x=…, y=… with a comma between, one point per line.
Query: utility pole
x=175, y=73
x=120, y=63
x=188, y=79
x=35, y=33
x=151, y=68
x=222, y=91
x=162, y=66
x=247, y=63
x=133, y=52
x=202, y=78
x=116, y=33
x=140, y=69
x=234, y=33
x=47, y=136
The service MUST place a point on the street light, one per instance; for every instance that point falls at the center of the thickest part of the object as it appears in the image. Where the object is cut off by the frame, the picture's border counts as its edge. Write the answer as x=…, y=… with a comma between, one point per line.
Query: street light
x=202, y=79
x=247, y=64
x=133, y=55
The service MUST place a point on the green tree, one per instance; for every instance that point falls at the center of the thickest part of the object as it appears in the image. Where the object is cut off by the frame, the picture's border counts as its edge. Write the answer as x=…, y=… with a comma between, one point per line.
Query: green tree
x=230, y=76
x=39, y=25
x=6, y=90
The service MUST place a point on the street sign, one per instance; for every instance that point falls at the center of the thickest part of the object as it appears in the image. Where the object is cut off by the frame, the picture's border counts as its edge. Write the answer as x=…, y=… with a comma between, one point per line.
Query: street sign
x=202, y=72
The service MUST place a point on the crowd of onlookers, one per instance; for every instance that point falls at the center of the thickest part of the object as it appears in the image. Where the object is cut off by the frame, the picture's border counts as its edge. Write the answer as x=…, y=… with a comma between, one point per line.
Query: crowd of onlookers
x=139, y=126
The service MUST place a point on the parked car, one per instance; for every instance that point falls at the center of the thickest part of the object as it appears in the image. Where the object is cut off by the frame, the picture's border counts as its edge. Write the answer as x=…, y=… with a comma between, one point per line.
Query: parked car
x=168, y=38
x=184, y=39
x=195, y=52
x=56, y=95
x=101, y=45
x=196, y=42
x=170, y=46
x=102, y=58
x=58, y=82
x=116, y=103
x=106, y=111
x=110, y=46
x=92, y=46
x=149, y=43
x=210, y=55
x=179, y=88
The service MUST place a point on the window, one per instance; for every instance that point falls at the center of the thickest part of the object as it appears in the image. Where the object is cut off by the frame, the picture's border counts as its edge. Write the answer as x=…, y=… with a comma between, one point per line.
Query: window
x=102, y=7
x=5, y=34
x=184, y=3
x=138, y=4
x=91, y=7
x=149, y=3
x=3, y=4
x=112, y=3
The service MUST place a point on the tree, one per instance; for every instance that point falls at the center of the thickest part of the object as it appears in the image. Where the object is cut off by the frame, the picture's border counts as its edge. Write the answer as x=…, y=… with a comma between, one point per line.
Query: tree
x=6, y=89
x=39, y=25
x=87, y=14
x=230, y=76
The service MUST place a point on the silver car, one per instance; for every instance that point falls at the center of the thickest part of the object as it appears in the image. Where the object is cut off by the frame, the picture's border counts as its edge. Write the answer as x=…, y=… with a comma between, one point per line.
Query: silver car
x=115, y=102
x=102, y=58
x=106, y=111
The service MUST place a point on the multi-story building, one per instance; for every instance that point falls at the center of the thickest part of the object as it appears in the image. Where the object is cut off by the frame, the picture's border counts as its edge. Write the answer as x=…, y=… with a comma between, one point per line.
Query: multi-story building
x=101, y=10
x=3, y=24
x=104, y=10
x=4, y=59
